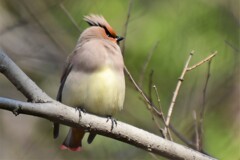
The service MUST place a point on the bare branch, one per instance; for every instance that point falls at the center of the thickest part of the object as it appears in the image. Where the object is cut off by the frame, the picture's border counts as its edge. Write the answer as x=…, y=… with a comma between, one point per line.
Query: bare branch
x=196, y=129
x=201, y=117
x=21, y=81
x=136, y=85
x=201, y=62
x=150, y=86
x=145, y=98
x=126, y=26
x=237, y=50
x=175, y=93
x=159, y=102
x=160, y=110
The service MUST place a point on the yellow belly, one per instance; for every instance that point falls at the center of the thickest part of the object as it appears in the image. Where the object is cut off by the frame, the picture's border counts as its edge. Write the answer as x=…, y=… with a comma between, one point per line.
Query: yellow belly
x=101, y=92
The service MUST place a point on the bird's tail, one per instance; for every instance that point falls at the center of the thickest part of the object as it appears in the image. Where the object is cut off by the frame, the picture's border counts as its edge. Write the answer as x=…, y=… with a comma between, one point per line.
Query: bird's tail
x=73, y=141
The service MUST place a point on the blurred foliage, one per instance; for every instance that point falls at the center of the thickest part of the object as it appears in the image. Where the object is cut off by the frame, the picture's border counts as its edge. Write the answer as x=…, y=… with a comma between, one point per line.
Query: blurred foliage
x=38, y=35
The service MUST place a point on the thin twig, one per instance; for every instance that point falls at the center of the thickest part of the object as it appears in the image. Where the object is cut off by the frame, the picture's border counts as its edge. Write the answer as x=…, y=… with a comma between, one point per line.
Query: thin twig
x=157, y=124
x=145, y=98
x=158, y=98
x=159, y=105
x=196, y=128
x=150, y=86
x=126, y=27
x=203, y=105
x=149, y=56
x=175, y=93
x=160, y=110
x=70, y=16
x=136, y=85
x=201, y=62
x=232, y=46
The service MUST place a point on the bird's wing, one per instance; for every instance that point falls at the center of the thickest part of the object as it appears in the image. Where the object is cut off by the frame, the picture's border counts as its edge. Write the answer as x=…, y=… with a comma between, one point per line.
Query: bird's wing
x=65, y=74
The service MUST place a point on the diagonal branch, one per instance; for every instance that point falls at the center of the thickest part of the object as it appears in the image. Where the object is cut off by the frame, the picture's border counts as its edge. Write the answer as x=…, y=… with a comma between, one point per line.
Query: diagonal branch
x=203, y=61
x=177, y=89
x=21, y=81
x=54, y=111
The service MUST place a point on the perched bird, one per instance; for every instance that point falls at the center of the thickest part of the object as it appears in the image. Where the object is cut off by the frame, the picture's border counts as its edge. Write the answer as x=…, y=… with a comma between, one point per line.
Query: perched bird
x=93, y=78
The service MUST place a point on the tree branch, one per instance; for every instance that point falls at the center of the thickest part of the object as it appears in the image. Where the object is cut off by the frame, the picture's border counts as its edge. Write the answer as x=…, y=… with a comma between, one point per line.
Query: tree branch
x=21, y=81
x=126, y=26
x=52, y=110
x=175, y=93
x=209, y=58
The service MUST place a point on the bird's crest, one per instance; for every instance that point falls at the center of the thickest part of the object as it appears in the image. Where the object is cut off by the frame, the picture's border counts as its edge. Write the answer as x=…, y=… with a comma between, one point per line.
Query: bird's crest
x=98, y=20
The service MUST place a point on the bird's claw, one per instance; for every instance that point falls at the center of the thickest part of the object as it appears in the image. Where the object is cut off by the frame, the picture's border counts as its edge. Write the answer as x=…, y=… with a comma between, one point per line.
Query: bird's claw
x=113, y=120
x=79, y=109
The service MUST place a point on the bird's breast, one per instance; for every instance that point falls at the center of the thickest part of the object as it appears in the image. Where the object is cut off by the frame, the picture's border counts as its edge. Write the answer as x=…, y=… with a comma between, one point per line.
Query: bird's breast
x=101, y=92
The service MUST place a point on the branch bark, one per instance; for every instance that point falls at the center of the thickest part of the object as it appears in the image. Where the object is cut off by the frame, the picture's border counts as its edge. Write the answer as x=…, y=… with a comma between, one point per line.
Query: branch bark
x=41, y=105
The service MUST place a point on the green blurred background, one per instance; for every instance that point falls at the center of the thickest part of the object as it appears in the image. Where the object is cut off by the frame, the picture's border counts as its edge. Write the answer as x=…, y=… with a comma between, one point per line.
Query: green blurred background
x=38, y=36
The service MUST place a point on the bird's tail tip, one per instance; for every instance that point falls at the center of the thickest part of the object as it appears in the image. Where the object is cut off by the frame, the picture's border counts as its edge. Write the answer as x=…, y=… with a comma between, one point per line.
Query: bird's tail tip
x=75, y=149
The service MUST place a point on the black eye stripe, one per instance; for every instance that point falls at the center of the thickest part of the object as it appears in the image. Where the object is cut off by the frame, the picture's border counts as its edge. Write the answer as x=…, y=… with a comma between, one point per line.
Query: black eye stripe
x=107, y=32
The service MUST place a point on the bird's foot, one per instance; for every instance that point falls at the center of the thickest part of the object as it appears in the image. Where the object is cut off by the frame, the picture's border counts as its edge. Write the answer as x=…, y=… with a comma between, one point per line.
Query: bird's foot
x=79, y=109
x=113, y=120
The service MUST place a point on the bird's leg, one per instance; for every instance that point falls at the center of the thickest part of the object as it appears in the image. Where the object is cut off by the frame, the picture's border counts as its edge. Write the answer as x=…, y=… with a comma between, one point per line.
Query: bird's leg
x=113, y=120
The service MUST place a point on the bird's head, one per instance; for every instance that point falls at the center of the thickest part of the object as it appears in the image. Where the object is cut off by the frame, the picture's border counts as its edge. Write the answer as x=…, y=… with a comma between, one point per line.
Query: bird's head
x=100, y=29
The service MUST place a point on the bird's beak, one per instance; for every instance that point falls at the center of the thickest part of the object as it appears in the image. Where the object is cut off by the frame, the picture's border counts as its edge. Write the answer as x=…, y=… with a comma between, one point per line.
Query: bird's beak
x=119, y=39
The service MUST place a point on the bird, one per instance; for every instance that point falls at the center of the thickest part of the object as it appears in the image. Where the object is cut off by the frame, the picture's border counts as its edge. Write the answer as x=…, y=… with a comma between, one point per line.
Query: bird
x=93, y=77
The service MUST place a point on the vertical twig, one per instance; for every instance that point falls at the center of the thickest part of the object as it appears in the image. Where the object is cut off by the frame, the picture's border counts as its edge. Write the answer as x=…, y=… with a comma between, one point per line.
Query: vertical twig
x=159, y=104
x=180, y=80
x=162, y=115
x=126, y=27
x=149, y=56
x=150, y=86
x=203, y=106
x=158, y=124
x=196, y=128
x=158, y=98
